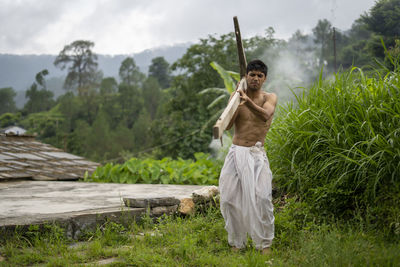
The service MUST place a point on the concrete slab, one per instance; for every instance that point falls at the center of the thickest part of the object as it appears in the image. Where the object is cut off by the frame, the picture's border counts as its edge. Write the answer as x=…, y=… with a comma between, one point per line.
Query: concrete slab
x=37, y=202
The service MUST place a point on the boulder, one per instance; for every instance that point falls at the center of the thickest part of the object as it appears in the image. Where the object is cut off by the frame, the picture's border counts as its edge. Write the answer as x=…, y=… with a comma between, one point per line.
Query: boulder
x=158, y=211
x=186, y=206
x=150, y=202
x=205, y=194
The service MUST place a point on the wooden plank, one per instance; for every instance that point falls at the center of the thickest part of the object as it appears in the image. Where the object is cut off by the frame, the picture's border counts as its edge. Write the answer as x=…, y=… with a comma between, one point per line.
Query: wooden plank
x=229, y=111
x=227, y=115
x=239, y=44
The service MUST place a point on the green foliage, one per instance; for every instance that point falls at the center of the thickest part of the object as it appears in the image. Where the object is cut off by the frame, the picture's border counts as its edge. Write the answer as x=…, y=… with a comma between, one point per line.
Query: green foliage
x=7, y=103
x=39, y=98
x=291, y=217
x=152, y=96
x=204, y=170
x=129, y=73
x=159, y=69
x=226, y=76
x=108, y=86
x=9, y=119
x=140, y=129
x=392, y=56
x=44, y=123
x=333, y=245
x=384, y=18
x=131, y=103
x=323, y=32
x=81, y=63
x=229, y=78
x=339, y=148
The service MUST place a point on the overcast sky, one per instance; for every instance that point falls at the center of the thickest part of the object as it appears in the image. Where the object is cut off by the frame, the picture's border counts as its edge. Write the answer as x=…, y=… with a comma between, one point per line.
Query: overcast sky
x=131, y=26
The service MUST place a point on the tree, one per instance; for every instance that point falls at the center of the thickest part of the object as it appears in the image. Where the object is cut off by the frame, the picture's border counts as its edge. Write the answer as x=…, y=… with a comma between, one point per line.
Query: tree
x=129, y=73
x=109, y=100
x=130, y=97
x=159, y=69
x=7, y=103
x=131, y=102
x=352, y=47
x=359, y=30
x=8, y=119
x=82, y=65
x=70, y=107
x=384, y=21
x=298, y=43
x=108, y=86
x=39, y=98
x=323, y=36
x=151, y=95
x=384, y=18
x=195, y=63
x=141, y=130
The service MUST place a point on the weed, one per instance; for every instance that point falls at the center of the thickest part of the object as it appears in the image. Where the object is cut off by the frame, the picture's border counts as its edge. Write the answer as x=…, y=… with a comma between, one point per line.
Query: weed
x=201, y=240
x=338, y=147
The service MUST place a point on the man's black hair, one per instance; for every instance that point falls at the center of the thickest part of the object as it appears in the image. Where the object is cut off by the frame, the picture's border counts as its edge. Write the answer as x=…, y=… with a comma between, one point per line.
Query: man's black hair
x=257, y=65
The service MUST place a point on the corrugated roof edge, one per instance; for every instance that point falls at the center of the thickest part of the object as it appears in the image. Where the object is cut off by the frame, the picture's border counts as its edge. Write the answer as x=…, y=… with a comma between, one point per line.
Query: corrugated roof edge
x=19, y=135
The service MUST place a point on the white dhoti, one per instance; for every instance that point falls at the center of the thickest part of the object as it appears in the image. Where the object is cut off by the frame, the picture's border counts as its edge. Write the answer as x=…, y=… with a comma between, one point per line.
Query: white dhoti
x=245, y=186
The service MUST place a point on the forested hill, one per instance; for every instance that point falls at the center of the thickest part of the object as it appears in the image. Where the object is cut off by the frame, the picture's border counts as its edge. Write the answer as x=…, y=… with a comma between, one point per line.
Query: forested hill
x=18, y=71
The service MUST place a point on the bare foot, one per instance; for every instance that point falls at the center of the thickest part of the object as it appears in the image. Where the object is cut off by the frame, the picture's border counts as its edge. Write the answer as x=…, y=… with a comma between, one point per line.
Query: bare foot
x=266, y=251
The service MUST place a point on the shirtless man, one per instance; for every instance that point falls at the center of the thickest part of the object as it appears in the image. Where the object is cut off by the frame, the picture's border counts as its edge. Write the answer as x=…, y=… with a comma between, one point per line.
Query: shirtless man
x=245, y=180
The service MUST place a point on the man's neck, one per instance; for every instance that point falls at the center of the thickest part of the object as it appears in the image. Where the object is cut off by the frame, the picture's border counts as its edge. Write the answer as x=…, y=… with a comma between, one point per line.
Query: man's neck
x=253, y=93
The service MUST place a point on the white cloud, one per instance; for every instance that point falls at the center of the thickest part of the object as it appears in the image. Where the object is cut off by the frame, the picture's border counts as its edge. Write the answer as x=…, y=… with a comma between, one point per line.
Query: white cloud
x=128, y=26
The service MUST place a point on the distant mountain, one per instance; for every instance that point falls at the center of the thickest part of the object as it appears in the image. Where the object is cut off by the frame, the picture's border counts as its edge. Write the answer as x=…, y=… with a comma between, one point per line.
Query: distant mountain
x=18, y=71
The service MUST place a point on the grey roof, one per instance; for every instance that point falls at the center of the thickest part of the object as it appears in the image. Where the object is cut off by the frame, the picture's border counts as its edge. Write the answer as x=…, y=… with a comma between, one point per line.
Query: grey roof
x=21, y=156
x=17, y=130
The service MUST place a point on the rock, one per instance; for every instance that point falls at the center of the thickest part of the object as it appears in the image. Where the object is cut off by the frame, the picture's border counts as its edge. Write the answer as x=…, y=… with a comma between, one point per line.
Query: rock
x=186, y=206
x=102, y=262
x=150, y=202
x=158, y=211
x=205, y=194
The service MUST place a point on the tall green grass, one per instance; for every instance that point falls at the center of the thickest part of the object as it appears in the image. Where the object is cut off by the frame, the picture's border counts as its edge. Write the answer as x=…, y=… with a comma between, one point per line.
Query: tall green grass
x=338, y=148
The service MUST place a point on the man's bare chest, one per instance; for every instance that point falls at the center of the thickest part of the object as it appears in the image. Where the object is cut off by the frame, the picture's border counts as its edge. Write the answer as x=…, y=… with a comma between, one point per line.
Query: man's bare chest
x=246, y=113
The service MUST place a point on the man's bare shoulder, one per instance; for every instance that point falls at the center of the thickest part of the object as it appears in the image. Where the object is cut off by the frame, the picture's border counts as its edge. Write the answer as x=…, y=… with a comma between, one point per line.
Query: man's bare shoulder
x=271, y=98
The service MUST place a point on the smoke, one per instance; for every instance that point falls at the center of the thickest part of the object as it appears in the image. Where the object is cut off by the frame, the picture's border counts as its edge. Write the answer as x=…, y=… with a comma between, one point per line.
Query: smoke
x=292, y=66
x=219, y=151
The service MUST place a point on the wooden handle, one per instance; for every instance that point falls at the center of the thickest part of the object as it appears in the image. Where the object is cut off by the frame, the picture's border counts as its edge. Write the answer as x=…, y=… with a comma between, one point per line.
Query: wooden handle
x=239, y=44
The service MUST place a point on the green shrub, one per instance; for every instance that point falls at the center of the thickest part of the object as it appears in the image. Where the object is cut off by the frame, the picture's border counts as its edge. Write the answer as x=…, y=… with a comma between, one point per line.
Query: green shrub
x=204, y=170
x=339, y=147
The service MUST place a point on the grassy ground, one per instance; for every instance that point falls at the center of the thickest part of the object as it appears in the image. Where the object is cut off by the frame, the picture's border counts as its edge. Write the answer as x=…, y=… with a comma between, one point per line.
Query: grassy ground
x=202, y=241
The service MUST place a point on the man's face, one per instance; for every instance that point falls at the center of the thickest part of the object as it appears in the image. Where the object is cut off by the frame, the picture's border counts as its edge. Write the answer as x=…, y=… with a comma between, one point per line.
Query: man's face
x=255, y=79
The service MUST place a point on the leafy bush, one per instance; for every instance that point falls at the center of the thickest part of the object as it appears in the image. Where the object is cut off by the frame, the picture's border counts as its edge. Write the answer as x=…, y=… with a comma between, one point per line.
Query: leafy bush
x=204, y=170
x=339, y=147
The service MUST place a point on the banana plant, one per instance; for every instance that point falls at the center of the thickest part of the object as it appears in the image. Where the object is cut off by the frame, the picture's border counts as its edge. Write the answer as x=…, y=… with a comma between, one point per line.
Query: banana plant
x=230, y=79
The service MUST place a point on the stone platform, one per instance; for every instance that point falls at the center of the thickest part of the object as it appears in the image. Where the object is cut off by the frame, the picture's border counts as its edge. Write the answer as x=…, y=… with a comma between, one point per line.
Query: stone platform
x=77, y=205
